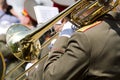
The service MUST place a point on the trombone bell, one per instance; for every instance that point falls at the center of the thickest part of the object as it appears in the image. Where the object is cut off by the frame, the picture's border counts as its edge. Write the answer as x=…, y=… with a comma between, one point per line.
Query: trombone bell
x=23, y=50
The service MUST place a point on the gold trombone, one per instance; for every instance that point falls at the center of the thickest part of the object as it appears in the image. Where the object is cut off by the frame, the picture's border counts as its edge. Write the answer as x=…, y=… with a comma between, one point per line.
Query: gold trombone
x=24, y=43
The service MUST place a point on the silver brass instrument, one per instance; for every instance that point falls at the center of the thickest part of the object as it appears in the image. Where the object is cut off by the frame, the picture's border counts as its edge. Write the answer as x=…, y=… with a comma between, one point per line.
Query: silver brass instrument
x=24, y=42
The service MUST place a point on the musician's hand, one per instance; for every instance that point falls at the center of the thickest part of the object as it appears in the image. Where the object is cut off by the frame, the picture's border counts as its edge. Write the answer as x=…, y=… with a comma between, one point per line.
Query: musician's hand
x=52, y=43
x=67, y=30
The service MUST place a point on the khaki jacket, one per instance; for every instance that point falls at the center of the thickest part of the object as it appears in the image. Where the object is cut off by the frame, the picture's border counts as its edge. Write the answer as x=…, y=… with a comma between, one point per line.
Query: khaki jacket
x=90, y=54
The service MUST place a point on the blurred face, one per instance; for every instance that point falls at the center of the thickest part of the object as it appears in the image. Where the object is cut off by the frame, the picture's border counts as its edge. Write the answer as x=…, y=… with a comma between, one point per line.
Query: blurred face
x=58, y=27
x=24, y=20
x=1, y=2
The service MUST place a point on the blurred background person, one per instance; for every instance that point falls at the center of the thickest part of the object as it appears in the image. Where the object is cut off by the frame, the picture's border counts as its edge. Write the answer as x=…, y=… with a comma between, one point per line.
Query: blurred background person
x=7, y=16
x=29, y=18
x=62, y=4
x=26, y=15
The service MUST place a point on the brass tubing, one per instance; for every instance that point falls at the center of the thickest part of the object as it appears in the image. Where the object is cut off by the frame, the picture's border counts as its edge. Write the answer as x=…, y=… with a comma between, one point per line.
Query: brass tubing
x=22, y=74
x=12, y=70
x=46, y=43
x=39, y=31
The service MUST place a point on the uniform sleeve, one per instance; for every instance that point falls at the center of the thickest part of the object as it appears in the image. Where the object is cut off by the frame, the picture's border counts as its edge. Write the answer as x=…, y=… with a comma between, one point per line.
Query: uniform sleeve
x=67, y=58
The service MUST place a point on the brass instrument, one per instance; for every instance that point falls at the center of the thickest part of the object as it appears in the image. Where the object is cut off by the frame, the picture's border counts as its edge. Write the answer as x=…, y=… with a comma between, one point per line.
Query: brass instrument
x=24, y=42
x=2, y=66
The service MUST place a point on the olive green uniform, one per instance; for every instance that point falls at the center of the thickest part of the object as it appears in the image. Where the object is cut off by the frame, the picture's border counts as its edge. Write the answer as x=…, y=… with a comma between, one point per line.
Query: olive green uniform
x=90, y=54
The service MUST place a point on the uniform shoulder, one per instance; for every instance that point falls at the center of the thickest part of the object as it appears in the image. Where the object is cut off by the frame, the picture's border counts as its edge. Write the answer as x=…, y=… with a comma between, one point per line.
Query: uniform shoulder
x=85, y=28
